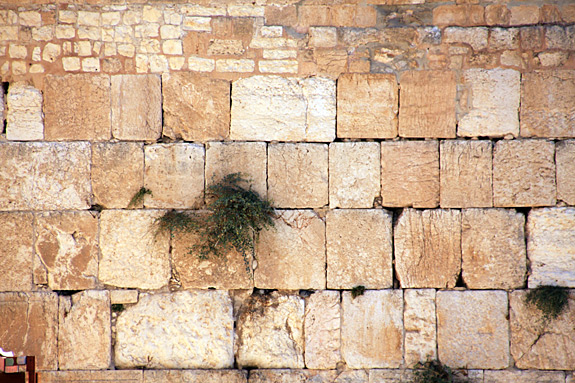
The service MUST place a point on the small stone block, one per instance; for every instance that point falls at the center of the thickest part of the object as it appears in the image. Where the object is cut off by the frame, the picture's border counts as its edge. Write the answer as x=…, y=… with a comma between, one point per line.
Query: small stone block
x=565, y=161
x=119, y=297
x=519, y=376
x=322, y=322
x=420, y=325
x=25, y=120
x=16, y=251
x=195, y=376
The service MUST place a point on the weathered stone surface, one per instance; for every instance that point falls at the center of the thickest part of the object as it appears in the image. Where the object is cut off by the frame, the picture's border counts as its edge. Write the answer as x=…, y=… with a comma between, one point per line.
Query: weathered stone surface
x=390, y=376
x=16, y=251
x=537, y=344
x=548, y=104
x=524, y=376
x=410, y=174
x=420, y=326
x=565, y=162
x=25, y=120
x=270, y=332
x=523, y=173
x=123, y=296
x=367, y=106
x=472, y=329
x=322, y=328
x=268, y=108
x=132, y=254
x=359, y=249
x=45, y=176
x=195, y=376
x=196, y=108
x=2, y=106
x=307, y=376
x=292, y=255
x=466, y=174
x=134, y=376
x=87, y=112
x=187, y=329
x=29, y=325
x=303, y=170
x=372, y=329
x=492, y=103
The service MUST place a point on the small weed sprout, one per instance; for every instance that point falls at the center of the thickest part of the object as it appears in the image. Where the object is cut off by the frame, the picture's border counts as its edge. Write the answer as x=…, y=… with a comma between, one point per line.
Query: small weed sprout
x=118, y=307
x=357, y=291
x=138, y=198
x=550, y=300
x=432, y=371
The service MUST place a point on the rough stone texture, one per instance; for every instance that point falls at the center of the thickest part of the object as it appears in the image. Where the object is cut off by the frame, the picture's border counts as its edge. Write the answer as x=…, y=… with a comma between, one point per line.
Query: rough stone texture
x=303, y=170
x=420, y=326
x=548, y=104
x=123, y=296
x=196, y=108
x=136, y=107
x=372, y=329
x=132, y=254
x=269, y=108
x=29, y=325
x=111, y=376
x=390, y=376
x=270, y=332
x=2, y=106
x=292, y=255
x=551, y=246
x=565, y=162
x=307, y=376
x=353, y=174
x=25, y=120
x=427, y=104
x=524, y=173
x=493, y=249
x=187, y=329
x=367, y=106
x=492, y=102
x=466, y=174
x=87, y=112
x=16, y=251
x=536, y=344
x=175, y=175
x=359, y=249
x=472, y=329
x=322, y=328
x=195, y=376
x=428, y=248
x=67, y=245
x=84, y=334
x=45, y=176
x=524, y=376
x=410, y=174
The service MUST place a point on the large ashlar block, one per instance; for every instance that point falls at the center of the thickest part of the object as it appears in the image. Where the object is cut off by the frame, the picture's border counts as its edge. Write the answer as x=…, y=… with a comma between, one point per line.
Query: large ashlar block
x=372, y=329
x=359, y=248
x=386, y=375
x=548, y=104
x=420, y=324
x=291, y=256
x=537, y=344
x=196, y=108
x=195, y=376
x=322, y=328
x=466, y=174
x=428, y=248
x=45, y=176
x=112, y=376
x=410, y=174
x=16, y=251
x=491, y=105
x=270, y=332
x=187, y=329
x=565, y=162
x=132, y=253
x=298, y=175
x=519, y=376
x=551, y=246
x=472, y=329
x=524, y=173
x=367, y=106
x=300, y=375
x=25, y=120
x=136, y=107
x=427, y=104
x=273, y=108
x=77, y=107
x=29, y=323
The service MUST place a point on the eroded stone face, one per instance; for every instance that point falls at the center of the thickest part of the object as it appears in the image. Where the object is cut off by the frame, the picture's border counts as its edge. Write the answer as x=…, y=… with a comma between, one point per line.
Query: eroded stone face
x=322, y=330
x=299, y=375
x=195, y=376
x=420, y=326
x=25, y=120
x=519, y=376
x=16, y=251
x=565, y=160
x=91, y=376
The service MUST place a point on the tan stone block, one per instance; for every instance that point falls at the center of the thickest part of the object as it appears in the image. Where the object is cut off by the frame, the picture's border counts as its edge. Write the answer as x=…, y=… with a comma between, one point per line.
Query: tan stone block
x=16, y=251
x=474, y=37
x=472, y=329
x=523, y=173
x=322, y=328
x=410, y=173
x=235, y=65
x=428, y=248
x=301, y=375
x=519, y=376
x=123, y=296
x=322, y=37
x=560, y=37
x=25, y=121
x=497, y=14
x=503, y=38
x=134, y=376
x=225, y=47
x=419, y=319
x=565, y=162
x=524, y=14
x=278, y=66
x=390, y=375
x=195, y=376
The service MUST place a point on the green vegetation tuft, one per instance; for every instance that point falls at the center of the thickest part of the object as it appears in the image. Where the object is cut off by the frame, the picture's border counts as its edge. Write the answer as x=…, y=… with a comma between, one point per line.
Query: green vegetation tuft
x=138, y=198
x=550, y=300
x=357, y=291
x=173, y=222
x=432, y=371
x=118, y=308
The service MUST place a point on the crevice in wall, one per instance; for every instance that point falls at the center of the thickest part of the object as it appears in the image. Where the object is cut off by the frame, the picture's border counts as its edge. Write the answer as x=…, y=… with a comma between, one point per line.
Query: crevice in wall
x=396, y=214
x=66, y=293
x=460, y=281
x=5, y=86
x=525, y=211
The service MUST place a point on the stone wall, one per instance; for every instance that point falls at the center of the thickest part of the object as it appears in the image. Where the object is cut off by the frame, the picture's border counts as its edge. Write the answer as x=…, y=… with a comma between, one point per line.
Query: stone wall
x=422, y=149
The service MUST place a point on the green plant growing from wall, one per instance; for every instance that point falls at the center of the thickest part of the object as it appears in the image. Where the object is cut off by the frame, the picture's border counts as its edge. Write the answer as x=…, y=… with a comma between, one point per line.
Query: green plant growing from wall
x=432, y=371
x=357, y=291
x=550, y=300
x=138, y=198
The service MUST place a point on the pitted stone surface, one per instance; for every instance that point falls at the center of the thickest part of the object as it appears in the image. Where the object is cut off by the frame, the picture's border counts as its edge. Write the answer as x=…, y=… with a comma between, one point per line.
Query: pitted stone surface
x=25, y=120
x=112, y=376
x=299, y=376
x=123, y=296
x=419, y=320
x=322, y=328
x=493, y=376
x=195, y=376
x=16, y=251
x=565, y=162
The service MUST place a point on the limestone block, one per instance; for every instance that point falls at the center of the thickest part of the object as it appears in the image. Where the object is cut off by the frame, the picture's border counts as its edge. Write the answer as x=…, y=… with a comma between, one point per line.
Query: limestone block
x=390, y=376
x=132, y=254
x=472, y=329
x=2, y=106
x=25, y=120
x=16, y=251
x=565, y=162
x=270, y=332
x=136, y=107
x=322, y=328
x=84, y=334
x=372, y=329
x=476, y=38
x=86, y=115
x=410, y=173
x=119, y=297
x=367, y=106
x=523, y=173
x=29, y=323
x=536, y=344
x=291, y=256
x=359, y=248
x=307, y=376
x=298, y=175
x=428, y=248
x=196, y=108
x=493, y=103
x=519, y=376
x=45, y=176
x=133, y=376
x=195, y=376
x=551, y=246
x=175, y=175
x=268, y=108
x=420, y=326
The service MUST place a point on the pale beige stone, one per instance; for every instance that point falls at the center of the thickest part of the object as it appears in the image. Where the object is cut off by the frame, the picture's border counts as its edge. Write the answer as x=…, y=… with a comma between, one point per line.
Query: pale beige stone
x=51, y=52
x=518, y=376
x=2, y=106
x=474, y=37
x=503, y=38
x=151, y=14
x=250, y=10
x=300, y=375
x=235, y=65
x=91, y=64
x=170, y=32
x=71, y=64
x=322, y=328
x=89, y=18
x=118, y=297
x=322, y=37
x=419, y=319
x=272, y=43
x=277, y=54
x=199, y=10
x=565, y=162
x=17, y=51
x=112, y=376
x=271, y=31
x=16, y=251
x=390, y=375
x=225, y=47
x=24, y=117
x=172, y=47
x=197, y=24
x=198, y=64
x=195, y=376
x=278, y=66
